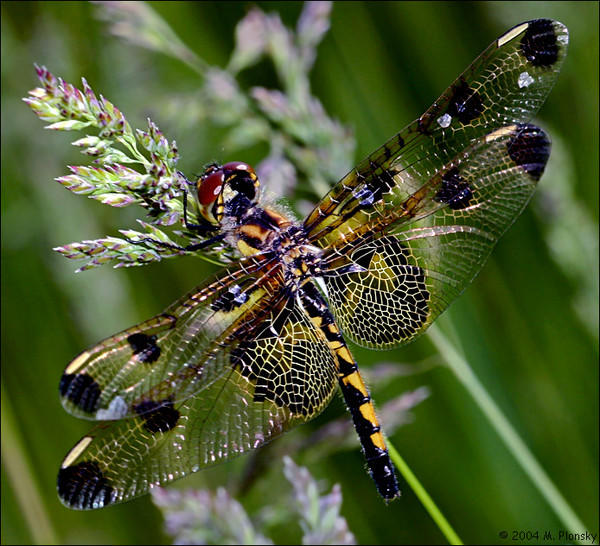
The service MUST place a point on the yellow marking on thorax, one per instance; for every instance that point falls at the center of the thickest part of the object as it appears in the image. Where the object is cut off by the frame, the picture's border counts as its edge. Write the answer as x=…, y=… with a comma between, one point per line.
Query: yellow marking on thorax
x=255, y=231
x=219, y=208
x=280, y=220
x=260, y=233
x=245, y=248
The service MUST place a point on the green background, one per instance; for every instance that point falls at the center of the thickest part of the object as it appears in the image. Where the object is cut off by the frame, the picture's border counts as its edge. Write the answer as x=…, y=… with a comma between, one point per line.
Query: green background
x=527, y=325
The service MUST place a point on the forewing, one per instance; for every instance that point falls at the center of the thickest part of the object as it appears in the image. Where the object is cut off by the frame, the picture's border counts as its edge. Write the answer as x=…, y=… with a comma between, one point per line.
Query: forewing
x=280, y=372
x=505, y=85
x=386, y=287
x=170, y=356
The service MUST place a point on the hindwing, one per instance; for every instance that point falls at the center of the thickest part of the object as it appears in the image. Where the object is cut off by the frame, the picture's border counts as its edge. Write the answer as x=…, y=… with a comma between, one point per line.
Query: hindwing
x=275, y=371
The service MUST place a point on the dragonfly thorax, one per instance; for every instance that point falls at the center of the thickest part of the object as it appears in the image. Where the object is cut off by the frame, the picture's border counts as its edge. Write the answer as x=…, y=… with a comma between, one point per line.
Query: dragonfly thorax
x=267, y=231
x=228, y=198
x=300, y=260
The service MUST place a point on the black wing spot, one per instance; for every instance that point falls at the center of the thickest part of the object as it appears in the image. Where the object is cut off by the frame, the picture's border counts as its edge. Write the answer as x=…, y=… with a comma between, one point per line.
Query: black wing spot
x=465, y=104
x=275, y=326
x=157, y=416
x=81, y=389
x=454, y=191
x=144, y=347
x=365, y=196
x=423, y=124
x=539, y=44
x=234, y=297
x=530, y=149
x=378, y=184
x=84, y=487
x=397, y=143
x=385, y=181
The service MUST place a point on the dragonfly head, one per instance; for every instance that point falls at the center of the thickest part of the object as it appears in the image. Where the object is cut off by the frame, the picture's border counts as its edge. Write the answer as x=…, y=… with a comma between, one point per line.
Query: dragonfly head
x=228, y=189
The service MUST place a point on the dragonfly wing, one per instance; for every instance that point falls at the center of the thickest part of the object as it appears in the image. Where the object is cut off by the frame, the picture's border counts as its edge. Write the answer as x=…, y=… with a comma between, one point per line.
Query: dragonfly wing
x=169, y=352
x=394, y=283
x=505, y=85
x=278, y=373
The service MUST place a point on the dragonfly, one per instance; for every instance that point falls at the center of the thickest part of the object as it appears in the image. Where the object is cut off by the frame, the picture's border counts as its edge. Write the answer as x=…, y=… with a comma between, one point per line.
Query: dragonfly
x=261, y=346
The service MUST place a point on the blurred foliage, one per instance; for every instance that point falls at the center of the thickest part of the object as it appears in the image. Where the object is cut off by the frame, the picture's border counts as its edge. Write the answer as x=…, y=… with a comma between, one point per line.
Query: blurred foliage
x=202, y=517
x=528, y=324
x=307, y=148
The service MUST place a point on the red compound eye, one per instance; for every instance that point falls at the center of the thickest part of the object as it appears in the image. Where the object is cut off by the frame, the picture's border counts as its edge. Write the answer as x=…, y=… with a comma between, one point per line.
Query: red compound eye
x=210, y=187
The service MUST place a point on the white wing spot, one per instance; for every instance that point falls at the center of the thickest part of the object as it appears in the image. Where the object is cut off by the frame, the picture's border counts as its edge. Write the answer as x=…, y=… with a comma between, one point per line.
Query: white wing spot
x=117, y=409
x=525, y=80
x=445, y=120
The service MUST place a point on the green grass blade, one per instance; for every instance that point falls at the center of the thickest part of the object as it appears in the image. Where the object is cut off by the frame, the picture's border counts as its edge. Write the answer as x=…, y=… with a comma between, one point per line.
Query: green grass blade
x=507, y=433
x=20, y=475
x=423, y=496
